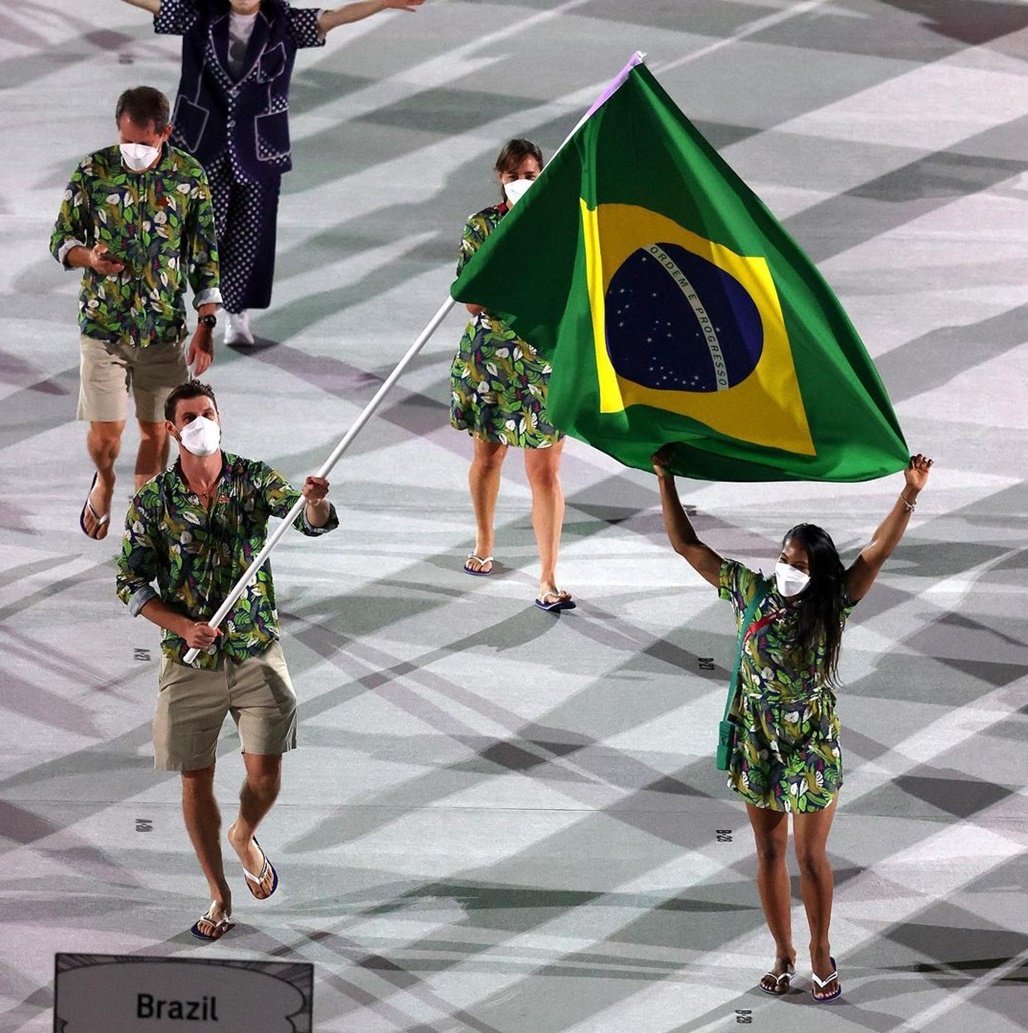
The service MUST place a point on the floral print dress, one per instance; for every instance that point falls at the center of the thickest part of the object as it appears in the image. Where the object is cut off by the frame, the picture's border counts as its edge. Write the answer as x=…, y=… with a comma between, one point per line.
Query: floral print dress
x=497, y=381
x=787, y=755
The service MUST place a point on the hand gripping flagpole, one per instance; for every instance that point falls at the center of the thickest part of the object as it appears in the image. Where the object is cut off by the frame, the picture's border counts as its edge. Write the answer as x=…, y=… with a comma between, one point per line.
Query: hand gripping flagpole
x=326, y=468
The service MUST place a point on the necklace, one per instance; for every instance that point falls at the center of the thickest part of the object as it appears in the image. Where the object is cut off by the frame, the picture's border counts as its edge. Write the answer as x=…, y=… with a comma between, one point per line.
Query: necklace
x=197, y=487
x=209, y=490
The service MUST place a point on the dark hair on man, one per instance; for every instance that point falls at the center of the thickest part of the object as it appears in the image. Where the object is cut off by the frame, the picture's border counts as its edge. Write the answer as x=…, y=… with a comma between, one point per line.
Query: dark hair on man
x=819, y=605
x=190, y=389
x=514, y=152
x=145, y=106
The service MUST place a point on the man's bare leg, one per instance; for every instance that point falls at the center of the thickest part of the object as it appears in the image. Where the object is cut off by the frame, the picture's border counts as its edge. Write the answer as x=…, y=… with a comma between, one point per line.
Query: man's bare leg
x=259, y=792
x=152, y=456
x=203, y=823
x=103, y=443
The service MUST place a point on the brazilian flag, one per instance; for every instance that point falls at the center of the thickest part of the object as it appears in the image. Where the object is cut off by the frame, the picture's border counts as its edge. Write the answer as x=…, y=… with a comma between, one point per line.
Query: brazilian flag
x=674, y=308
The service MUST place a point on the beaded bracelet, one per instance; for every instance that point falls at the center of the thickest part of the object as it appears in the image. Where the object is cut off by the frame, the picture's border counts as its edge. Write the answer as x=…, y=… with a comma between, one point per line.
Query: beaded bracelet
x=908, y=506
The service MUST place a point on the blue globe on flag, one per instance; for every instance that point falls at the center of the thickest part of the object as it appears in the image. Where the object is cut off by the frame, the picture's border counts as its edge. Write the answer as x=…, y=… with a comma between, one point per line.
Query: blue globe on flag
x=677, y=322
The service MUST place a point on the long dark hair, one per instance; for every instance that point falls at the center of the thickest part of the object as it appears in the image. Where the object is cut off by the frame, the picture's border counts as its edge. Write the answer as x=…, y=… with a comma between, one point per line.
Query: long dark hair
x=819, y=606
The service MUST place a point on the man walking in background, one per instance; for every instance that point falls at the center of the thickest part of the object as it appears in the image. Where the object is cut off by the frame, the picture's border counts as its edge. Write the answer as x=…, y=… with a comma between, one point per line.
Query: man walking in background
x=137, y=219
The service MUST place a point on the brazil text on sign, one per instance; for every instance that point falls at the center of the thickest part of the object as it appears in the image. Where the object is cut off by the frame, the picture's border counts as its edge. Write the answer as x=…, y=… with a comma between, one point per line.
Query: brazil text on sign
x=101, y=993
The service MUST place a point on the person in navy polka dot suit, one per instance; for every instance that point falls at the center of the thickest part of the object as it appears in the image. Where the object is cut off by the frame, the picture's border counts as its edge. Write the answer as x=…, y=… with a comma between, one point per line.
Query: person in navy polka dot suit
x=232, y=113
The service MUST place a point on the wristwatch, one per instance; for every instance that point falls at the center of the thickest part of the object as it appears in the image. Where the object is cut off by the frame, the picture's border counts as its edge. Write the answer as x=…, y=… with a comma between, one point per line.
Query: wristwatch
x=208, y=321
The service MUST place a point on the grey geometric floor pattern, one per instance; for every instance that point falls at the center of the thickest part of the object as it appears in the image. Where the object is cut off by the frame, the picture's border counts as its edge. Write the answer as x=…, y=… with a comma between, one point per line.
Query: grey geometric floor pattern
x=500, y=821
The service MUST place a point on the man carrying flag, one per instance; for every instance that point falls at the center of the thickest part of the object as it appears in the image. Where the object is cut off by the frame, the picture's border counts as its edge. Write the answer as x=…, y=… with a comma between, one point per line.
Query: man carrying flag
x=193, y=530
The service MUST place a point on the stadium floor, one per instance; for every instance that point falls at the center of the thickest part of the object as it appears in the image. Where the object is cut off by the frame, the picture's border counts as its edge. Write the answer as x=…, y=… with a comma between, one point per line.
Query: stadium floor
x=500, y=820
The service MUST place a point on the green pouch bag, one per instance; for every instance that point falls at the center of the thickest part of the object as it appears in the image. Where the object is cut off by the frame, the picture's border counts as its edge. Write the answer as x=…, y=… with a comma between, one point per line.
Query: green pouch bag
x=727, y=733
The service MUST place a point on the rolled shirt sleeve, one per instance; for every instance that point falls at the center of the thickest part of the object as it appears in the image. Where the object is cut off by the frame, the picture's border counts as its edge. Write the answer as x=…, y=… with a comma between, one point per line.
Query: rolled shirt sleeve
x=280, y=497
x=137, y=564
x=204, y=271
x=309, y=529
x=73, y=227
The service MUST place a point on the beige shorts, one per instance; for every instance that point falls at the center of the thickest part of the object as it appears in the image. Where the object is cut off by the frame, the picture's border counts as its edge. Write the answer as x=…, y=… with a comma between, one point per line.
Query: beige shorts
x=192, y=705
x=107, y=372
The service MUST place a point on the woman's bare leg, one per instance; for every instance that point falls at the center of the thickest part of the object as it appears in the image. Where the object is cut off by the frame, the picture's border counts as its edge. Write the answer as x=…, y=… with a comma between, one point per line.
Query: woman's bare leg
x=771, y=835
x=542, y=466
x=816, y=886
x=484, y=483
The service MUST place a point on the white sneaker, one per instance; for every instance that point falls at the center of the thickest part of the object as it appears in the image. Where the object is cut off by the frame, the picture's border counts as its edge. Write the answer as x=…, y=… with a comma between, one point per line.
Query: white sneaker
x=237, y=328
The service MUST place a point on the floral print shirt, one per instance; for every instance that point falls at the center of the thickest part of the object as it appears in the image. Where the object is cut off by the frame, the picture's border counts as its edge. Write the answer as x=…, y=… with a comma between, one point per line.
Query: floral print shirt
x=160, y=224
x=196, y=555
x=771, y=666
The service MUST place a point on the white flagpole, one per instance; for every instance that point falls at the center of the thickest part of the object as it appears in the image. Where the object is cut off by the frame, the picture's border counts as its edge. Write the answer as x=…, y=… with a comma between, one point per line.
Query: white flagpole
x=326, y=468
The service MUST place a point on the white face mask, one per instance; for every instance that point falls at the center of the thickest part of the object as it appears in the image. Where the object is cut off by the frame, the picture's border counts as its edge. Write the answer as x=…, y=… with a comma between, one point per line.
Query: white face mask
x=516, y=189
x=201, y=437
x=138, y=156
x=789, y=580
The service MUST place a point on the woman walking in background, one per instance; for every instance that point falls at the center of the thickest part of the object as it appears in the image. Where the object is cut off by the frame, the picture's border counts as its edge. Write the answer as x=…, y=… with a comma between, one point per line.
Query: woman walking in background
x=498, y=395
x=787, y=758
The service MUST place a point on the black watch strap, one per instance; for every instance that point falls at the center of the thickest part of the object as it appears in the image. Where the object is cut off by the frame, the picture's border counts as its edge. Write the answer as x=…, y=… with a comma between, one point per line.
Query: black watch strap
x=208, y=321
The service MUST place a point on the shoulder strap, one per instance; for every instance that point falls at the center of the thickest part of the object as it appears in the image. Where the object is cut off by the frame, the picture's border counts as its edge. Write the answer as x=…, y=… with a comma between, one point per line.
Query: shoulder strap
x=762, y=592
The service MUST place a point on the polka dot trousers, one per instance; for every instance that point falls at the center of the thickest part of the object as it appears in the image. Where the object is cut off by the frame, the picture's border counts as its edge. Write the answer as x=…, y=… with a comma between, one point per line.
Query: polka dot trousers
x=246, y=215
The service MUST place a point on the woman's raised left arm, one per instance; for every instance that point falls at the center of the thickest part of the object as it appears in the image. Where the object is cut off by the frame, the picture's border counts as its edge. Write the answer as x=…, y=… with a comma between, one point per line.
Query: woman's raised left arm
x=354, y=12
x=153, y=6
x=864, y=570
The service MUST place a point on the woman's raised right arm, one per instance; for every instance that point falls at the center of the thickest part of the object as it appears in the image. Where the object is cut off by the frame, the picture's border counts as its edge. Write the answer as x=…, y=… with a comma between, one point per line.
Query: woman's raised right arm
x=153, y=6
x=700, y=556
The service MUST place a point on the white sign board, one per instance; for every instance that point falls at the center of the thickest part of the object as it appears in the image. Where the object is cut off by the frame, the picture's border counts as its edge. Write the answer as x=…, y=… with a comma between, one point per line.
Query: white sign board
x=105, y=993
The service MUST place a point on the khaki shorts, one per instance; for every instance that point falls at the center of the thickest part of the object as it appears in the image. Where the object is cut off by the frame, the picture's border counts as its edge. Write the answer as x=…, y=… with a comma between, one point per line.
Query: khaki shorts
x=107, y=372
x=192, y=705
